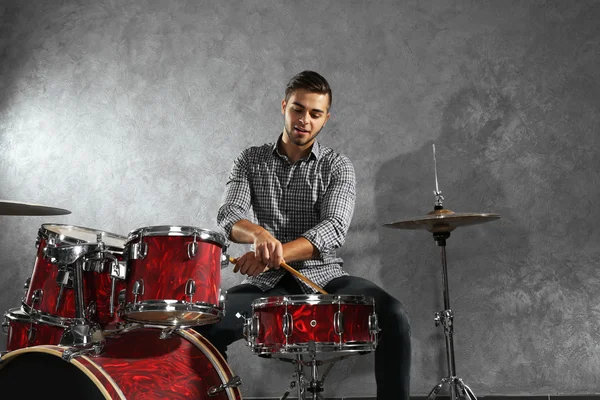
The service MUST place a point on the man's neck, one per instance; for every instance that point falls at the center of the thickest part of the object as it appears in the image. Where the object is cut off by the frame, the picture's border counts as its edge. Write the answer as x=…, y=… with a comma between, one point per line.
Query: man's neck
x=293, y=152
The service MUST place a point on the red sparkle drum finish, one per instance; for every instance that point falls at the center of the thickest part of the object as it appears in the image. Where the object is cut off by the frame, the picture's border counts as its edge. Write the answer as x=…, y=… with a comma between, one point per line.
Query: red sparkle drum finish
x=44, y=294
x=334, y=323
x=173, y=276
x=24, y=331
x=137, y=365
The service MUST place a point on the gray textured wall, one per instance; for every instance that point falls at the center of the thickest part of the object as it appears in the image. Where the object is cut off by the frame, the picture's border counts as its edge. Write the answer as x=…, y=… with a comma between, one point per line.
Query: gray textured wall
x=129, y=113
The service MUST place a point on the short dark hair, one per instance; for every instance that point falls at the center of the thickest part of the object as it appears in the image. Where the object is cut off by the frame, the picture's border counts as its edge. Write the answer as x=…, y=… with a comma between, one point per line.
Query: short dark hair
x=310, y=81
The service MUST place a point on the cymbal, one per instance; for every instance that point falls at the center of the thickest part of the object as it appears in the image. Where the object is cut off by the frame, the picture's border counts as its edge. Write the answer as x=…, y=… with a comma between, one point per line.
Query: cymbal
x=8, y=207
x=443, y=220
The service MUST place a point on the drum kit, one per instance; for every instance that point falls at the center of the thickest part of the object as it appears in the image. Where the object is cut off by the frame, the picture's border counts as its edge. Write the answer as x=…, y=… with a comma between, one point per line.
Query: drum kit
x=119, y=309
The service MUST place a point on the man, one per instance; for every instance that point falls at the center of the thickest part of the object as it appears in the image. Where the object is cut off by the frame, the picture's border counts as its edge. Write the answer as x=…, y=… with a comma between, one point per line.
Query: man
x=302, y=194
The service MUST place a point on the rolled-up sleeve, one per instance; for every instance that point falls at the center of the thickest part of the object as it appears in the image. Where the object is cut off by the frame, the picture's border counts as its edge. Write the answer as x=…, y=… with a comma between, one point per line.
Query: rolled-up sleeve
x=337, y=208
x=236, y=198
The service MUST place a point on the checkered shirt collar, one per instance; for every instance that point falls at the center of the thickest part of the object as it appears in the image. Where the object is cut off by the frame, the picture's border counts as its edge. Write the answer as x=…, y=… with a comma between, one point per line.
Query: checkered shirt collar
x=315, y=151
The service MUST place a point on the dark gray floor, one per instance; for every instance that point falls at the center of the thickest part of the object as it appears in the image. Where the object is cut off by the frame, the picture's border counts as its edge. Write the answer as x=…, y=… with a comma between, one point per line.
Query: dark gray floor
x=495, y=397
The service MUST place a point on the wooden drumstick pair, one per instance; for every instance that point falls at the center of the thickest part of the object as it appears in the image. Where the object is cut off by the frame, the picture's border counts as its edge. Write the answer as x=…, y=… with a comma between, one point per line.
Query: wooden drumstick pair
x=293, y=272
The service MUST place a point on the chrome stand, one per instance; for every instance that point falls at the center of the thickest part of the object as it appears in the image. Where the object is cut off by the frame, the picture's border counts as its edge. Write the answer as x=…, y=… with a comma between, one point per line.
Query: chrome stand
x=82, y=333
x=314, y=384
x=445, y=318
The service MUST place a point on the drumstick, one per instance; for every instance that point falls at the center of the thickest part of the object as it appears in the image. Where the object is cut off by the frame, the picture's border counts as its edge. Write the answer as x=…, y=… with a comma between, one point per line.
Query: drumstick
x=293, y=272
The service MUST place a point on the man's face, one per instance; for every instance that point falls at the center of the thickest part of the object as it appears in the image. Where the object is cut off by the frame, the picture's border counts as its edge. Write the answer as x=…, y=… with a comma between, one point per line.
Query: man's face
x=305, y=114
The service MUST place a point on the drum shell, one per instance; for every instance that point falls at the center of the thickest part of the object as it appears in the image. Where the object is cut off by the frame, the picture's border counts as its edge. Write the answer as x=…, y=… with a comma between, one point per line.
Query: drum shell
x=96, y=288
x=140, y=365
x=313, y=320
x=165, y=271
x=97, y=285
x=18, y=326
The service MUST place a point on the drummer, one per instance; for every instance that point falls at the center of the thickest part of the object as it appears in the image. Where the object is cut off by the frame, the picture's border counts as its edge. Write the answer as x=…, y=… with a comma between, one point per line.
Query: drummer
x=302, y=195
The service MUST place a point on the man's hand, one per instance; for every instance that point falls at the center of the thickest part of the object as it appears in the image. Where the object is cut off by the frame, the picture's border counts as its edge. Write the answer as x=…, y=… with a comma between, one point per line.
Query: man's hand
x=249, y=265
x=268, y=250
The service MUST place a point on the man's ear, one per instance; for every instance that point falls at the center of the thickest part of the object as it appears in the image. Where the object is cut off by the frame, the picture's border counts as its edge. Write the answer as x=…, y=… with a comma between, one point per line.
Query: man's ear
x=283, y=104
x=326, y=119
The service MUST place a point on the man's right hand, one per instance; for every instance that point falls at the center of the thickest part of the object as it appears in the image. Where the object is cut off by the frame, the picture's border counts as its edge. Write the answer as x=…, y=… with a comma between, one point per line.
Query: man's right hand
x=249, y=265
x=268, y=250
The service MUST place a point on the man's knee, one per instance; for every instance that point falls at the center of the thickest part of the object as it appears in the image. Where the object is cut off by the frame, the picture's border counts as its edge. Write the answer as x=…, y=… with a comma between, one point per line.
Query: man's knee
x=393, y=316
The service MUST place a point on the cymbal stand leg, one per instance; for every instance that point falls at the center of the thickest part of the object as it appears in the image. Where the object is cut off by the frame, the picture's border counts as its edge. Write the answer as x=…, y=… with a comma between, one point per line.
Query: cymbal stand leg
x=445, y=318
x=457, y=389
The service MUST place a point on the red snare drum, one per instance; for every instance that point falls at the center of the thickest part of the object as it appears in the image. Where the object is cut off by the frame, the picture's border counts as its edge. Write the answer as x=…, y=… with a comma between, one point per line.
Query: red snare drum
x=44, y=297
x=25, y=331
x=133, y=365
x=173, y=276
x=285, y=325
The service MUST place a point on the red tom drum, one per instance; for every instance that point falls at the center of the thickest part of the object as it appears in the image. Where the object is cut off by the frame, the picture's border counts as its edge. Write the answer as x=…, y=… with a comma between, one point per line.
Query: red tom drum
x=138, y=364
x=173, y=276
x=51, y=289
x=22, y=330
x=298, y=324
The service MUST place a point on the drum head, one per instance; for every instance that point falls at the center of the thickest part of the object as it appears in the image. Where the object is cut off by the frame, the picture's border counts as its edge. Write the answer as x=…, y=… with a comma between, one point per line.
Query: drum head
x=77, y=234
x=34, y=376
x=168, y=230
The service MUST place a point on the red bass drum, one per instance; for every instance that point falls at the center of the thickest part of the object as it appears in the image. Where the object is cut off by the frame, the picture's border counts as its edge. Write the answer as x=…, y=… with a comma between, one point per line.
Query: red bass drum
x=138, y=364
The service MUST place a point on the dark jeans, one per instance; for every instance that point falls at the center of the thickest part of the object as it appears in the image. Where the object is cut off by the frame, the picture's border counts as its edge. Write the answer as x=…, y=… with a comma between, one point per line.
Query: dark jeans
x=393, y=354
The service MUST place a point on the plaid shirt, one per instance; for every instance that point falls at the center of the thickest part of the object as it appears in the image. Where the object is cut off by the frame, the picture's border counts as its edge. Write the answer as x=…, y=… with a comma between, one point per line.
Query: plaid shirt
x=312, y=198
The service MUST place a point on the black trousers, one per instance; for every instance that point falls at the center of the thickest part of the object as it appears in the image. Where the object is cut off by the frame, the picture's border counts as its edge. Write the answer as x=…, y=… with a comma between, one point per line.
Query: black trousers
x=393, y=354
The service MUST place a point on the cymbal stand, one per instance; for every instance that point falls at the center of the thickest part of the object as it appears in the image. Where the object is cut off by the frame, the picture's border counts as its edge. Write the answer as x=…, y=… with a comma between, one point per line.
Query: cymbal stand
x=446, y=319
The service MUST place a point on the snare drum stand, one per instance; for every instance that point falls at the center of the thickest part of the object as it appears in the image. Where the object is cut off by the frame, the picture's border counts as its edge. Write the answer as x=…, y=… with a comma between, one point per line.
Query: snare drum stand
x=445, y=318
x=301, y=382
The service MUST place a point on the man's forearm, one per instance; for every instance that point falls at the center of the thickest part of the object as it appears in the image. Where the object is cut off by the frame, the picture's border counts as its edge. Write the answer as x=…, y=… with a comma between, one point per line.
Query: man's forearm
x=245, y=231
x=299, y=249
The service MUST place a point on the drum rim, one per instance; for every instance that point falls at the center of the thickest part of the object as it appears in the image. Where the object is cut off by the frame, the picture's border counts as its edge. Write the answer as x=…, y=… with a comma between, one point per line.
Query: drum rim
x=147, y=306
x=312, y=299
x=46, y=233
x=15, y=310
x=216, y=359
x=177, y=230
x=45, y=318
x=57, y=351
x=320, y=347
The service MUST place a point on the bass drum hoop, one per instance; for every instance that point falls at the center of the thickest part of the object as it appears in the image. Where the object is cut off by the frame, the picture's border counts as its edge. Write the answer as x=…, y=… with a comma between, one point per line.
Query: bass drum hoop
x=57, y=351
x=206, y=348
